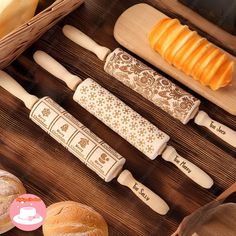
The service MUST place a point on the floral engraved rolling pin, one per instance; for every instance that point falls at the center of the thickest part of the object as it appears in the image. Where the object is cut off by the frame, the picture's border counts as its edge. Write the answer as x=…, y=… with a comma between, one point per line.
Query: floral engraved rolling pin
x=81, y=142
x=151, y=85
x=135, y=129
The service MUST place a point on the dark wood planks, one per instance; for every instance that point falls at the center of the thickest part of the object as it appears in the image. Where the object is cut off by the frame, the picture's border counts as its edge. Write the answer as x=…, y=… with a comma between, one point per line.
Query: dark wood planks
x=50, y=171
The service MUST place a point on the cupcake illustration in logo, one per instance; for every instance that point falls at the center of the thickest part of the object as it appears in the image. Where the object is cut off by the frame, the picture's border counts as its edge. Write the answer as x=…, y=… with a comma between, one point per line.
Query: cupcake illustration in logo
x=28, y=212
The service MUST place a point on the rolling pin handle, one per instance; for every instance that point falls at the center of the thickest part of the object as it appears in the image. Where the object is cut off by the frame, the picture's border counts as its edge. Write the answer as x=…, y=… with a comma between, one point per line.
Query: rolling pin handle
x=220, y=130
x=86, y=42
x=55, y=68
x=142, y=192
x=188, y=168
x=9, y=84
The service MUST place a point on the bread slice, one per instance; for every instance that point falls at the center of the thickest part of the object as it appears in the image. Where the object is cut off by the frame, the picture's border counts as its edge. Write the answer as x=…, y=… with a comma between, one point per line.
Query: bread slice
x=171, y=35
x=183, y=37
x=167, y=37
x=223, y=75
x=182, y=55
x=203, y=62
x=159, y=30
x=210, y=70
x=194, y=57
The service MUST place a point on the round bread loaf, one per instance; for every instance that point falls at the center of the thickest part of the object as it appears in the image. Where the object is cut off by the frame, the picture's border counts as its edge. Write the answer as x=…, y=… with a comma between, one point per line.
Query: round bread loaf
x=10, y=188
x=74, y=219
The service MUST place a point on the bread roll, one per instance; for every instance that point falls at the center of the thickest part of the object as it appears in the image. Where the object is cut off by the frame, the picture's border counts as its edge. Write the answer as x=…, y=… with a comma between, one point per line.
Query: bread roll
x=74, y=219
x=14, y=13
x=191, y=53
x=10, y=188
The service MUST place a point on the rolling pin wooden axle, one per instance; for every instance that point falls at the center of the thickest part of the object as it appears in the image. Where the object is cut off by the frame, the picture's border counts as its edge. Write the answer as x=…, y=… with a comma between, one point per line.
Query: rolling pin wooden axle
x=142, y=78
x=80, y=141
x=121, y=66
x=121, y=118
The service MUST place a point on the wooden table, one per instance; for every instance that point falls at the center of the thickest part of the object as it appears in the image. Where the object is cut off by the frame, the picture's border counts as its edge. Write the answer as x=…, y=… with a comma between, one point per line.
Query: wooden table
x=51, y=172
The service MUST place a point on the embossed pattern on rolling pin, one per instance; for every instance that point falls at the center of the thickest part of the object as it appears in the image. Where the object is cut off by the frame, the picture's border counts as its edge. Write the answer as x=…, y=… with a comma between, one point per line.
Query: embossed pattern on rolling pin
x=151, y=85
x=79, y=140
x=120, y=118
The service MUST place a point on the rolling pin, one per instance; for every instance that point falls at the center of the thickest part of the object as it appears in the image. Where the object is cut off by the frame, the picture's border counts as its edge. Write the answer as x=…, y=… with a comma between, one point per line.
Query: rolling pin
x=123, y=120
x=151, y=85
x=81, y=142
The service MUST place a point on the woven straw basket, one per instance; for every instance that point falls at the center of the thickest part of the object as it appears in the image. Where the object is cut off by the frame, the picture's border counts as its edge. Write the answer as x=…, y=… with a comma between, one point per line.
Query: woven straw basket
x=13, y=44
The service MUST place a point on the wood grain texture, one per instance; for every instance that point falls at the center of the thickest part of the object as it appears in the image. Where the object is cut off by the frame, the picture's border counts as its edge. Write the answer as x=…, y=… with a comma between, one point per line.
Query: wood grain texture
x=51, y=172
x=131, y=31
x=14, y=43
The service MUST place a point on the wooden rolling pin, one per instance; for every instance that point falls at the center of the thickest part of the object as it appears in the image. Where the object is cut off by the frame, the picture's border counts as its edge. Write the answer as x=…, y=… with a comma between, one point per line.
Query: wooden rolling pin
x=122, y=119
x=151, y=85
x=81, y=142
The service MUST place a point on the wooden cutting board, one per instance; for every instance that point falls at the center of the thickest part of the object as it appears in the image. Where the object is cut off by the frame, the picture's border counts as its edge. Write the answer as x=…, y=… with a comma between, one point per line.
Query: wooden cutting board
x=131, y=31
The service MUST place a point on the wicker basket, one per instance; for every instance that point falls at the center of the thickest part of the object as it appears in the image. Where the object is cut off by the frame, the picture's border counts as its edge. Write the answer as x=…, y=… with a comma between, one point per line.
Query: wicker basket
x=13, y=44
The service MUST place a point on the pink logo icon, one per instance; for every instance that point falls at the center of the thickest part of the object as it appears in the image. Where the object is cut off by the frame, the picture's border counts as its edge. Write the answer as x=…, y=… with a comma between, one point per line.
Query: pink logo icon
x=28, y=212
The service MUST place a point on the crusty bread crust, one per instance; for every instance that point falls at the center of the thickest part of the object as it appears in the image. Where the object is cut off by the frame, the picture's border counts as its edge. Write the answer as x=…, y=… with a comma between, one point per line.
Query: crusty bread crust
x=72, y=218
x=11, y=188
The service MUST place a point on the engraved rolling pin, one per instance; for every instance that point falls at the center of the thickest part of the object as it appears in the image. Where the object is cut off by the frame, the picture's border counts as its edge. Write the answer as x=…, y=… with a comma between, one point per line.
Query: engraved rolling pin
x=151, y=85
x=81, y=142
x=122, y=119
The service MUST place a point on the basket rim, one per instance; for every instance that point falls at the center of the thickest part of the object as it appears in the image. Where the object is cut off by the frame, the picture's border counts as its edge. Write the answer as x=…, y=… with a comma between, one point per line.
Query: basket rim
x=33, y=20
